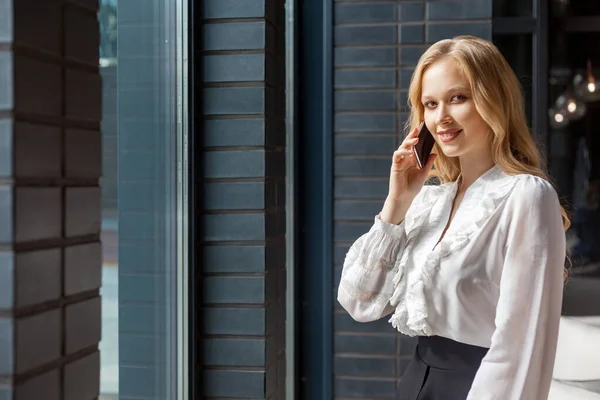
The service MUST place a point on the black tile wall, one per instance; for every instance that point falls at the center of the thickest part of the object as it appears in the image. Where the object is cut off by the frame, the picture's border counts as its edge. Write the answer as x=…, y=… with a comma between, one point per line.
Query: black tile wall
x=235, y=321
x=234, y=195
x=411, y=11
x=364, y=367
x=360, y=35
x=51, y=155
x=37, y=275
x=361, y=166
x=365, y=78
x=233, y=9
x=234, y=132
x=235, y=352
x=356, y=210
x=365, y=100
x=234, y=36
x=81, y=377
x=234, y=290
x=235, y=164
x=243, y=199
x=364, y=122
x=411, y=34
x=364, y=389
x=376, y=47
x=247, y=384
x=364, y=56
x=234, y=227
x=374, y=144
x=459, y=10
x=234, y=68
x=409, y=55
x=225, y=100
x=442, y=30
x=347, y=13
x=242, y=259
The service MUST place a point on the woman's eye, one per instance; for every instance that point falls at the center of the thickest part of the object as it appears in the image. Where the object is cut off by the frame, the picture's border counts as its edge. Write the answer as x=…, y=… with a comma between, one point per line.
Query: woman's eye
x=430, y=104
x=458, y=97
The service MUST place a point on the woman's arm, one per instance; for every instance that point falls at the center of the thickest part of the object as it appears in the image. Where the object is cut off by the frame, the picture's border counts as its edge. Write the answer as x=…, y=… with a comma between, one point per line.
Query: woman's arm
x=366, y=284
x=370, y=266
x=520, y=361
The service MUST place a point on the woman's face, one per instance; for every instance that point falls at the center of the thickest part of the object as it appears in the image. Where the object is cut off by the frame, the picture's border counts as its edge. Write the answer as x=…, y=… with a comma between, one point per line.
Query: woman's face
x=450, y=112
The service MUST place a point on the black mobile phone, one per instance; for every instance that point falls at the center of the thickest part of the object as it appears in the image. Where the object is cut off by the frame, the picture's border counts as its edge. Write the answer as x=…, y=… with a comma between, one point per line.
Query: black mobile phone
x=423, y=148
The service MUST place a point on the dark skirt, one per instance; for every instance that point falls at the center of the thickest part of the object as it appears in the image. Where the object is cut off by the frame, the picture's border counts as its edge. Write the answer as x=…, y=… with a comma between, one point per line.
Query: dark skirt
x=441, y=369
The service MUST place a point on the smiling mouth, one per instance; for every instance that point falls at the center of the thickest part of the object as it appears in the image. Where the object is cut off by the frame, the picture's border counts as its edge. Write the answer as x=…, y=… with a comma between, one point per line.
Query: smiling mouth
x=449, y=136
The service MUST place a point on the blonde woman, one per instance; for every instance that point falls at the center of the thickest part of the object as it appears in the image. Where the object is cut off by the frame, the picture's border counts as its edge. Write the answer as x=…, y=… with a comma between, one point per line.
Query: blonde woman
x=475, y=266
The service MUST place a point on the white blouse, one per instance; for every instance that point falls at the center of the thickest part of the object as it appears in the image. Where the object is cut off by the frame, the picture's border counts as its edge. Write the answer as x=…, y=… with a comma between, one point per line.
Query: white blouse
x=495, y=279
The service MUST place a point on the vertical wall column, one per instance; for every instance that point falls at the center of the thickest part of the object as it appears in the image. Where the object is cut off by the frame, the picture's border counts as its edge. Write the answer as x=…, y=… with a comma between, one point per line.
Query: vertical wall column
x=242, y=90
x=50, y=164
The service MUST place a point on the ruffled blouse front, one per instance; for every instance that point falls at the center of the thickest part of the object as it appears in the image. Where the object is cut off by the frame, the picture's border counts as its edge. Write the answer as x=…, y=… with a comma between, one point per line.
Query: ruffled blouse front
x=494, y=279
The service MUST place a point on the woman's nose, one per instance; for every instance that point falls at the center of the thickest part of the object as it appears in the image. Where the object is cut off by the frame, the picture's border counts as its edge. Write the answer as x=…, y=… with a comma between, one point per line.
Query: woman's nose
x=442, y=117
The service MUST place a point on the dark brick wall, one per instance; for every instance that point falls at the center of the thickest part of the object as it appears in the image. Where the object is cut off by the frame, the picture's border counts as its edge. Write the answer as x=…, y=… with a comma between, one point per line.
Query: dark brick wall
x=50, y=207
x=377, y=46
x=243, y=189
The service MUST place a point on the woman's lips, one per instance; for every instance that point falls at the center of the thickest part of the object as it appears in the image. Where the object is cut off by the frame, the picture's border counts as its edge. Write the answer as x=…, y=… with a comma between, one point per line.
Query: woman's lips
x=448, y=136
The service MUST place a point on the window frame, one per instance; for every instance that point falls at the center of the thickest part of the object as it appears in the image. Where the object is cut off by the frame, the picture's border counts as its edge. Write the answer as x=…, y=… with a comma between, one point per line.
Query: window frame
x=537, y=26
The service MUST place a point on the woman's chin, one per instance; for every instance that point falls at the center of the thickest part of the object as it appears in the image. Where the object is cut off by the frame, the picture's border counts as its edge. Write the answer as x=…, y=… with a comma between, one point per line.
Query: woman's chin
x=450, y=151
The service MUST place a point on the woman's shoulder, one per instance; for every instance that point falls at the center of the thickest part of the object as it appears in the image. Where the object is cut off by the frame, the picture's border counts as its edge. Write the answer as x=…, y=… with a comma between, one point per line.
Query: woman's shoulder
x=532, y=184
x=532, y=189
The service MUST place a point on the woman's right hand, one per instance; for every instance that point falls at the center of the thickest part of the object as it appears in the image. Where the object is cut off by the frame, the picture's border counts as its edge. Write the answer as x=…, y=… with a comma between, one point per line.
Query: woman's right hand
x=406, y=178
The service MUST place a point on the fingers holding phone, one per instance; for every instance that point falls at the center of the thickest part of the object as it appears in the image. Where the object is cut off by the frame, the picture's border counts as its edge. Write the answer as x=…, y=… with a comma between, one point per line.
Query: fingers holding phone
x=424, y=146
x=411, y=163
x=404, y=156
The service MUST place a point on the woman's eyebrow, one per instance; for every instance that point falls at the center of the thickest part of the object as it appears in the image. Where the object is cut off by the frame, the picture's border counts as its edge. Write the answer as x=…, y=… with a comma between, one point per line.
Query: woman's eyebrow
x=453, y=89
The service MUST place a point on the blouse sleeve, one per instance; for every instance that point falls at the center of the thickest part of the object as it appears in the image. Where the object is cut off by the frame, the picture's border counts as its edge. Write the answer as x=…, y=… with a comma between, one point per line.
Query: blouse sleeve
x=520, y=361
x=366, y=284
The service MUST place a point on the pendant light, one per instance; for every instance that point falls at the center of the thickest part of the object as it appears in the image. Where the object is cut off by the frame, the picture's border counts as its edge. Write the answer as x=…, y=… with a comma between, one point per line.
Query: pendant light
x=585, y=86
x=558, y=118
x=571, y=106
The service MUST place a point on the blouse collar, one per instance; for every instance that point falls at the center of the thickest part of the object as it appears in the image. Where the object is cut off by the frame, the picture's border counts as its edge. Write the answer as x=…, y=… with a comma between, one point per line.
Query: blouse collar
x=489, y=176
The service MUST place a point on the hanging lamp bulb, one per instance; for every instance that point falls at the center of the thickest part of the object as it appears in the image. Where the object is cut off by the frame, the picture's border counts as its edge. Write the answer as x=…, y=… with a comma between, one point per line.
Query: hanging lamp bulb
x=573, y=108
x=585, y=86
x=558, y=118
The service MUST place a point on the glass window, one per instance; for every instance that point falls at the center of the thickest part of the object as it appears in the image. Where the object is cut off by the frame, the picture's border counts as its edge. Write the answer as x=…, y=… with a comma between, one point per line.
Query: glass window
x=140, y=275
x=517, y=49
x=575, y=147
x=512, y=8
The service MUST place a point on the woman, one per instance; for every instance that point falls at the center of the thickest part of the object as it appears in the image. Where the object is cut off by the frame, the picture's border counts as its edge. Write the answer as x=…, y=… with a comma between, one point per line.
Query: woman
x=475, y=266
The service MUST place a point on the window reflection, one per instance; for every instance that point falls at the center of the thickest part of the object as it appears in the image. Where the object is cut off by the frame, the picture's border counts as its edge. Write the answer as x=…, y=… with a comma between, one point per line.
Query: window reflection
x=574, y=156
x=576, y=148
x=107, y=18
x=517, y=49
x=109, y=346
x=139, y=231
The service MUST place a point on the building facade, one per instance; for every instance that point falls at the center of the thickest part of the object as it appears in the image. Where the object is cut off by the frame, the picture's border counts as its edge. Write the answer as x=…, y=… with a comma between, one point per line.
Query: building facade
x=182, y=180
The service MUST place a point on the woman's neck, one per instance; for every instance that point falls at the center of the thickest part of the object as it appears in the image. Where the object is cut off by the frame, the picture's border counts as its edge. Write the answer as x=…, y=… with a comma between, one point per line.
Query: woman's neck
x=472, y=168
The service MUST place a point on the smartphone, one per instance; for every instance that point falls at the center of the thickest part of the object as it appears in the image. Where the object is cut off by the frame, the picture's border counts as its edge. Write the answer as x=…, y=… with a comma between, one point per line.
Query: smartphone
x=423, y=148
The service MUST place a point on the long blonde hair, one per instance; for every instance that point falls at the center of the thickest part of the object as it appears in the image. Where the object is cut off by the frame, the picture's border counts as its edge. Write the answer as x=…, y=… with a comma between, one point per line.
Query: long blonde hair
x=498, y=98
